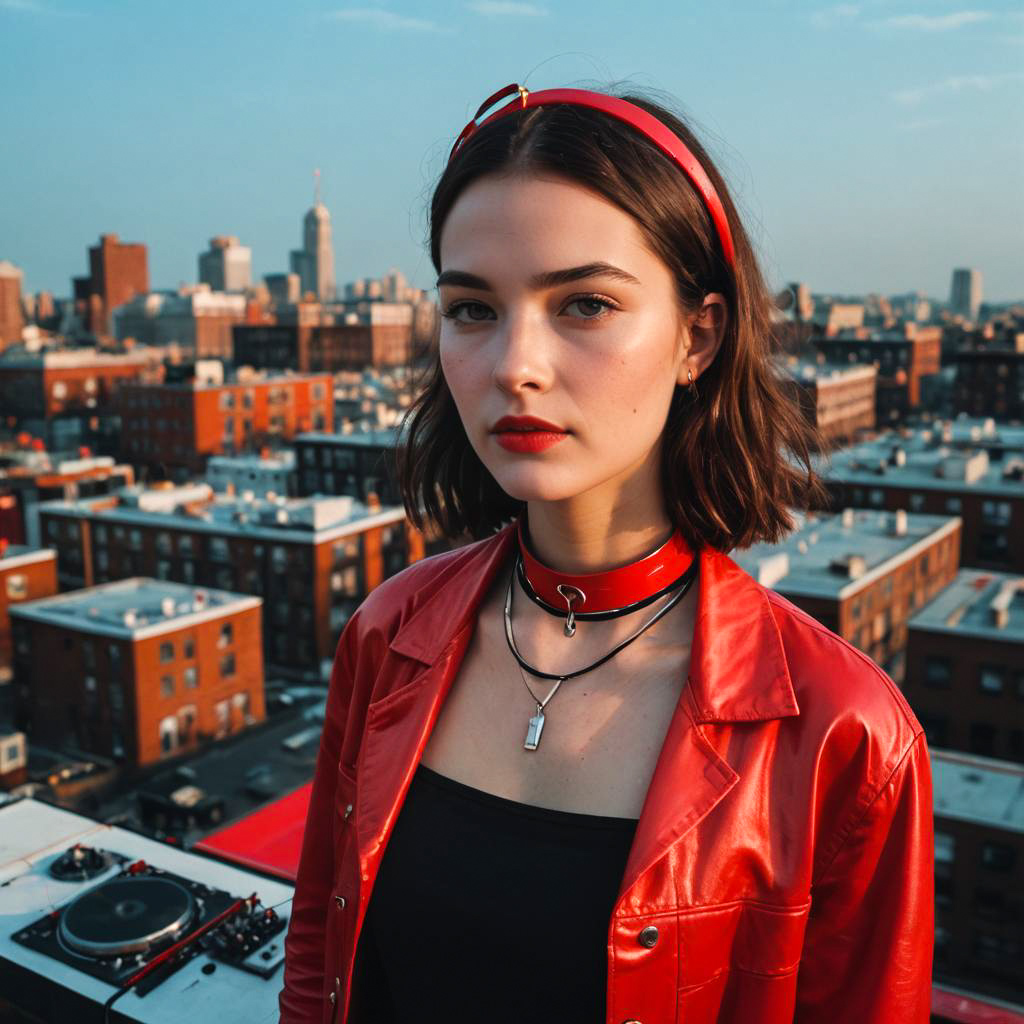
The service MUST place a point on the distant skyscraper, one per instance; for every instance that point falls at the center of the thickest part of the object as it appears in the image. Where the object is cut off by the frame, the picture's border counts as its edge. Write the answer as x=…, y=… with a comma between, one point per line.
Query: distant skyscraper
x=227, y=266
x=314, y=262
x=11, y=319
x=117, y=272
x=965, y=292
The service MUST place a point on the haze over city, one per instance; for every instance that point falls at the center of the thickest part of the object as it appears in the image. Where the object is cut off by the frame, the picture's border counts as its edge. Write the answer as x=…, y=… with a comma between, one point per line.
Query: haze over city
x=872, y=146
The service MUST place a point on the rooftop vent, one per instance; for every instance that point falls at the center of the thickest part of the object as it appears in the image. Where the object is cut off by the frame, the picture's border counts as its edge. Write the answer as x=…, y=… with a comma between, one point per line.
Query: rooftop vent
x=1014, y=469
x=772, y=568
x=167, y=607
x=898, y=523
x=199, y=599
x=282, y=515
x=131, y=617
x=898, y=457
x=851, y=566
x=999, y=606
x=988, y=428
x=968, y=467
x=847, y=517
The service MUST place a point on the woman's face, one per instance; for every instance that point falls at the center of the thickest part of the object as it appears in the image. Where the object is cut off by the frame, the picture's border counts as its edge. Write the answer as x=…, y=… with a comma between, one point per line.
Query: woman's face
x=555, y=308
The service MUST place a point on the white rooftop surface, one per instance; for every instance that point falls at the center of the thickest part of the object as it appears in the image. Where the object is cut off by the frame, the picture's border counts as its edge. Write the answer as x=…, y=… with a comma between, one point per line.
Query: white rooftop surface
x=33, y=834
x=135, y=608
x=379, y=436
x=974, y=604
x=800, y=563
x=932, y=462
x=980, y=790
x=316, y=518
x=276, y=460
x=805, y=369
x=15, y=555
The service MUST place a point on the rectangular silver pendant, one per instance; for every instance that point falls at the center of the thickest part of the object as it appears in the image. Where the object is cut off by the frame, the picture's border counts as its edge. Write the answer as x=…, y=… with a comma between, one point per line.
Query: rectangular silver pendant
x=533, y=733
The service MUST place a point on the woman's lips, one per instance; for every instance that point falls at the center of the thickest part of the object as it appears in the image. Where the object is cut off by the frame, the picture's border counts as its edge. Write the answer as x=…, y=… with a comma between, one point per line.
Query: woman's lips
x=528, y=440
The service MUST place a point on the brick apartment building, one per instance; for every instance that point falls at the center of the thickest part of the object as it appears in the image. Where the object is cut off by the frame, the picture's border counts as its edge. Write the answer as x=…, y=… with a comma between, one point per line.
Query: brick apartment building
x=979, y=877
x=312, y=560
x=12, y=316
x=359, y=463
x=323, y=348
x=26, y=574
x=979, y=480
x=838, y=399
x=176, y=426
x=137, y=670
x=965, y=665
x=117, y=272
x=29, y=475
x=862, y=574
x=902, y=358
x=65, y=396
x=990, y=377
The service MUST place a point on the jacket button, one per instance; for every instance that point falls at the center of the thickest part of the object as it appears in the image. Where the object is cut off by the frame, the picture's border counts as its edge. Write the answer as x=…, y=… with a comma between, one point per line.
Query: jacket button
x=340, y=900
x=348, y=810
x=648, y=937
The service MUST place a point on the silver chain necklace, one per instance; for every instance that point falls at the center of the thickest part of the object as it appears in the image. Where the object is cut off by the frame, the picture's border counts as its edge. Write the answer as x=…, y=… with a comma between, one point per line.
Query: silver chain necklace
x=536, y=725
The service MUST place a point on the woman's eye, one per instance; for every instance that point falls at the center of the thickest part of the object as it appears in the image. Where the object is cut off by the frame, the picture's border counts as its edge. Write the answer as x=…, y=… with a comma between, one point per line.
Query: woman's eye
x=476, y=311
x=590, y=307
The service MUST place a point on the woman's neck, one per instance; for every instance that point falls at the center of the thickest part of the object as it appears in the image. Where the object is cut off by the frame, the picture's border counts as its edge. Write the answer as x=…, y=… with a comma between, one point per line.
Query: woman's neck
x=574, y=540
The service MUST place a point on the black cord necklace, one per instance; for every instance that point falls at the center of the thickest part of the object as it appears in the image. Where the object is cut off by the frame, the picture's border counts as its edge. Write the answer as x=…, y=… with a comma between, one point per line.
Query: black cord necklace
x=536, y=725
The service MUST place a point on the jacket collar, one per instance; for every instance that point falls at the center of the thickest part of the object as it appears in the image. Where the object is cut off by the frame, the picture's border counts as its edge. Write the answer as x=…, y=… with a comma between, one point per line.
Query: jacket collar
x=738, y=669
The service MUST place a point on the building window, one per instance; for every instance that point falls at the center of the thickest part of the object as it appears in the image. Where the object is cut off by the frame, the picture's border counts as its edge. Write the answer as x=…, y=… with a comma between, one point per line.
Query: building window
x=219, y=549
x=185, y=546
x=227, y=634
x=168, y=733
x=191, y=677
x=243, y=706
x=163, y=542
x=227, y=400
x=227, y=665
x=991, y=679
x=167, y=686
x=916, y=502
x=186, y=722
x=59, y=389
x=100, y=534
x=166, y=652
x=223, y=712
x=937, y=672
x=136, y=540
x=876, y=497
x=279, y=559
x=163, y=569
x=188, y=647
x=945, y=847
x=17, y=586
x=954, y=506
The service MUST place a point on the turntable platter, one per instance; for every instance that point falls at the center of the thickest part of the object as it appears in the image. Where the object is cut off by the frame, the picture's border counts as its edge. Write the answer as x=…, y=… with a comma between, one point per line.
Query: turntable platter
x=127, y=915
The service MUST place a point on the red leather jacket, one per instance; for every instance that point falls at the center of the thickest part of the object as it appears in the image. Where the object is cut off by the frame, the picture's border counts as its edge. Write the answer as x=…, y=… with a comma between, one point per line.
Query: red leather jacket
x=784, y=852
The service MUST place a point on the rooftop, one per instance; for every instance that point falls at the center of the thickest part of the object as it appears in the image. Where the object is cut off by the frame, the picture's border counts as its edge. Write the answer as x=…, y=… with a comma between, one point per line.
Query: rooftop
x=14, y=555
x=977, y=603
x=134, y=608
x=197, y=507
x=808, y=370
x=834, y=556
x=976, y=456
x=18, y=357
x=977, y=789
x=284, y=459
x=387, y=436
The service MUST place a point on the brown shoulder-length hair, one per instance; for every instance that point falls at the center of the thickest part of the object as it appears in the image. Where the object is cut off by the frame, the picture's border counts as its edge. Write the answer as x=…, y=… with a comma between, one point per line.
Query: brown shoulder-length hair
x=735, y=457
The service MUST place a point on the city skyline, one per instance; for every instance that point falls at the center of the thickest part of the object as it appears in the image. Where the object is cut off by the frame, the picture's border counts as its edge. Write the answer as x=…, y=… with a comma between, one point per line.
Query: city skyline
x=870, y=147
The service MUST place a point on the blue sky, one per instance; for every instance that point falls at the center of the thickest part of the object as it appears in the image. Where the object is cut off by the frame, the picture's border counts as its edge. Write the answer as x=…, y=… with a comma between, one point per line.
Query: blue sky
x=872, y=146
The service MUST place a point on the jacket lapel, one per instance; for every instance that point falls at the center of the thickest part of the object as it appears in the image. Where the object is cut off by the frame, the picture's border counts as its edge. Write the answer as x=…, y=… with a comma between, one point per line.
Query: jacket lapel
x=738, y=673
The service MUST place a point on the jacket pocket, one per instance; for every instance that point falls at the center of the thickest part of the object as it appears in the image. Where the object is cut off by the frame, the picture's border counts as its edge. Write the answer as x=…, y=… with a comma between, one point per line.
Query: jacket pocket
x=751, y=938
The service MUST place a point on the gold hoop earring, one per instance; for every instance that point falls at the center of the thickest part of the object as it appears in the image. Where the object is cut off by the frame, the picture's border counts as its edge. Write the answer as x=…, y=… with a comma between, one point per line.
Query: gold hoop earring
x=692, y=388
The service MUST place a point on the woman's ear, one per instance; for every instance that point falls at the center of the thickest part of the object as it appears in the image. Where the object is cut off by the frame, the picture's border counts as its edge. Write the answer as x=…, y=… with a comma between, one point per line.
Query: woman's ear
x=706, y=329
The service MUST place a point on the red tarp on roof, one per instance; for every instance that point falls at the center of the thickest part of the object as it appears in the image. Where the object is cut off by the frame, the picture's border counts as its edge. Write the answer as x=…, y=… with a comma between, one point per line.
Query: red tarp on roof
x=961, y=1008
x=269, y=839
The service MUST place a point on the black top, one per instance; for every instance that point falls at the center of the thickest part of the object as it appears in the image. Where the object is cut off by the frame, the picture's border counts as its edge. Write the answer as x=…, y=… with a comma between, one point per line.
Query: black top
x=488, y=909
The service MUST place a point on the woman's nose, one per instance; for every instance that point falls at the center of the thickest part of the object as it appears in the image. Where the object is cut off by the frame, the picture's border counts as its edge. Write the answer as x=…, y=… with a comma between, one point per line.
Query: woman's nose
x=523, y=356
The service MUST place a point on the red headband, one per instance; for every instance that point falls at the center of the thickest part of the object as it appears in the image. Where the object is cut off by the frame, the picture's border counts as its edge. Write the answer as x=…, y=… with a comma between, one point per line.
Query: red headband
x=648, y=125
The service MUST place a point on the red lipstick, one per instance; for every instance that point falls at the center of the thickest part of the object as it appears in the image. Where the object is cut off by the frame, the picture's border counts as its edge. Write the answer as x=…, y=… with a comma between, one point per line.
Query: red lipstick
x=527, y=433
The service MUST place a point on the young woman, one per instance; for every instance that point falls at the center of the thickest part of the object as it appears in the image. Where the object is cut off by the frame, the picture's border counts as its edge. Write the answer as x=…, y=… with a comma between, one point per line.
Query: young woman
x=586, y=768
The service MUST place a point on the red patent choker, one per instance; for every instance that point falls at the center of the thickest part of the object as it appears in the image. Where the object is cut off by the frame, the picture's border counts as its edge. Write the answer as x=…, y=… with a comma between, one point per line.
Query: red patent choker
x=603, y=595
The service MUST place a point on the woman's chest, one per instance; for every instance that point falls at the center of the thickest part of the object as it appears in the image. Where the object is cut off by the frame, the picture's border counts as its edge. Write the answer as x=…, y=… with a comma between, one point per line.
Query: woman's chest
x=601, y=737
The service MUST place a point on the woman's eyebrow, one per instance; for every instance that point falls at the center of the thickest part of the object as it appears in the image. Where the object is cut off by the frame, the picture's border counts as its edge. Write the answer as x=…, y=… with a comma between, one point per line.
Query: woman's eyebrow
x=546, y=279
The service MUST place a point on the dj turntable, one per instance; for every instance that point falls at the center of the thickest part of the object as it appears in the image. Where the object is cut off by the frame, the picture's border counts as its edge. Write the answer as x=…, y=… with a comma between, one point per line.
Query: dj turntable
x=101, y=924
